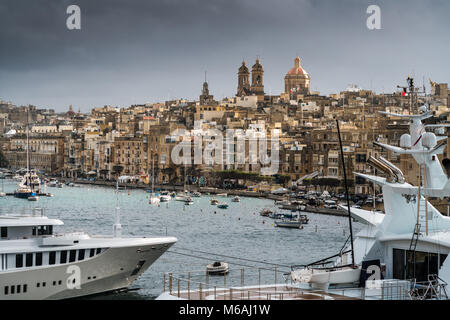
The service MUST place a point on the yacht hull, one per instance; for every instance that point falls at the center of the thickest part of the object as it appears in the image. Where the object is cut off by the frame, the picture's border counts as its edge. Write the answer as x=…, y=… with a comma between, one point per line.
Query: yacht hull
x=114, y=269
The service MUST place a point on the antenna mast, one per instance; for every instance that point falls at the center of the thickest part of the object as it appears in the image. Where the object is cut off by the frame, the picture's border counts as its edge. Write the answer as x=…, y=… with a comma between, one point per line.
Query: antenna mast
x=346, y=193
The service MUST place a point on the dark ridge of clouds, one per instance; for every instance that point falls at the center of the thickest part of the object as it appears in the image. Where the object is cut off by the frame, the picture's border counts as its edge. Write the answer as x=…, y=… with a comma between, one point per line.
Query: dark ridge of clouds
x=141, y=51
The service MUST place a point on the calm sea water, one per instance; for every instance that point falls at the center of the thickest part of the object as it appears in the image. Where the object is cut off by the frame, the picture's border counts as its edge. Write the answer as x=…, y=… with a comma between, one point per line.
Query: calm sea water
x=238, y=231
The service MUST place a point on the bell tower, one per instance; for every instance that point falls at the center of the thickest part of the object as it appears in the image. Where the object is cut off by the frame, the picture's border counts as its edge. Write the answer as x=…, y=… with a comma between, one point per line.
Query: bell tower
x=257, y=78
x=243, y=81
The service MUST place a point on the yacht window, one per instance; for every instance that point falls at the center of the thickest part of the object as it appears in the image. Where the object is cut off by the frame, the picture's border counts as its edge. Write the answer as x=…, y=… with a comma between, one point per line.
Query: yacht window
x=52, y=257
x=4, y=232
x=91, y=254
x=6, y=290
x=29, y=260
x=34, y=231
x=50, y=230
x=13, y=289
x=24, y=288
x=81, y=254
x=18, y=288
x=98, y=250
x=19, y=260
x=63, y=258
x=39, y=258
x=73, y=254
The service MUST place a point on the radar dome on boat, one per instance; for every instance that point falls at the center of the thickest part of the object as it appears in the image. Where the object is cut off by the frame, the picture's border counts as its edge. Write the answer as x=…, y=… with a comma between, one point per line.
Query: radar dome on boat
x=439, y=131
x=405, y=141
x=429, y=140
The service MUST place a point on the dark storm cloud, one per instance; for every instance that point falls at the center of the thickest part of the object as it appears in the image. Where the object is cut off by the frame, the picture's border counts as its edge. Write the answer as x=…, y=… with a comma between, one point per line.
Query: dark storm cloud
x=139, y=51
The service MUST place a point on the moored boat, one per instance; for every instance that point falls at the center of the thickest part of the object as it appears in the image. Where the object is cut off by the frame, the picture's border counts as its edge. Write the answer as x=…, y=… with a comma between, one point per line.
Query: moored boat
x=222, y=205
x=236, y=199
x=217, y=268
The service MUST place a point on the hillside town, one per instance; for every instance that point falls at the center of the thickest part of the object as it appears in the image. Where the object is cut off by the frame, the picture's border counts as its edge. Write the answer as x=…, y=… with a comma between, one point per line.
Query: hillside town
x=139, y=141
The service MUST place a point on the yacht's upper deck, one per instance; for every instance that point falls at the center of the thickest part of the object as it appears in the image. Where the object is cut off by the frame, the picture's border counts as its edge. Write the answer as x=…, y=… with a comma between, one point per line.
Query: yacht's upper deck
x=33, y=217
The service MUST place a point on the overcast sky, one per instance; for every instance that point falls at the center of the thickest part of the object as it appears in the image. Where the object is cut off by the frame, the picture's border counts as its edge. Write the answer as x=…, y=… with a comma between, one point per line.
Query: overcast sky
x=136, y=51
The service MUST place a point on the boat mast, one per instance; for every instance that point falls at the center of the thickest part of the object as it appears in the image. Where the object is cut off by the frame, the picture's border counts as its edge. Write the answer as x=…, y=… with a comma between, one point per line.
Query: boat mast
x=153, y=174
x=28, y=152
x=117, y=227
x=346, y=193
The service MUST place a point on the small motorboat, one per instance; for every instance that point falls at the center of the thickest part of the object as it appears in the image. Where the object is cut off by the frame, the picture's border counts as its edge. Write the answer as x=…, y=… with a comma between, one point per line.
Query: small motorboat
x=265, y=212
x=217, y=268
x=304, y=218
x=33, y=198
x=221, y=195
x=321, y=278
x=222, y=205
x=236, y=199
x=289, y=223
x=165, y=196
x=2, y=194
x=188, y=201
x=214, y=201
x=275, y=215
x=196, y=194
x=153, y=199
x=282, y=202
x=182, y=197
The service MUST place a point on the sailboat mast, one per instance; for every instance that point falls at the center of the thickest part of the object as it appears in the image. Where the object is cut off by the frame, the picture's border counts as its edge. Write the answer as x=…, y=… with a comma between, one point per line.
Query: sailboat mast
x=153, y=173
x=28, y=142
x=346, y=193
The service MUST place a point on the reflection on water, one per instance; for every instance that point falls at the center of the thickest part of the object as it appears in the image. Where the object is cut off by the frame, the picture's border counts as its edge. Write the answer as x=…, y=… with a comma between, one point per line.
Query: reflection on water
x=237, y=231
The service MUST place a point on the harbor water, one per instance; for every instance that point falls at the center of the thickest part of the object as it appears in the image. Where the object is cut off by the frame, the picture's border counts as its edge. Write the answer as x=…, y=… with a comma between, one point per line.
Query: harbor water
x=238, y=231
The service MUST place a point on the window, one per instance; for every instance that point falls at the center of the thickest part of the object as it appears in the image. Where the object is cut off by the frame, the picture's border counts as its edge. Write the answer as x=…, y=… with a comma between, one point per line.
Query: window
x=39, y=258
x=13, y=289
x=81, y=254
x=19, y=260
x=72, y=256
x=52, y=257
x=91, y=254
x=18, y=288
x=25, y=287
x=63, y=257
x=6, y=290
x=29, y=260
x=4, y=232
x=98, y=251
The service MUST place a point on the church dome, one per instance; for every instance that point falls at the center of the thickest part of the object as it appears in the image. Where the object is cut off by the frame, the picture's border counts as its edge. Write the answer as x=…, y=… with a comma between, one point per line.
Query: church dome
x=297, y=70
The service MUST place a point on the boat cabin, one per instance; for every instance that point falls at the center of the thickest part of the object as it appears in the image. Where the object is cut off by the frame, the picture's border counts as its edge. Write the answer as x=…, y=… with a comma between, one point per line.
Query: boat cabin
x=20, y=227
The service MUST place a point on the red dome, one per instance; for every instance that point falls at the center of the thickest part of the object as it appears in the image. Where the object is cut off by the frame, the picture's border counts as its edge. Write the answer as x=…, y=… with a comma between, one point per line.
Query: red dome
x=297, y=69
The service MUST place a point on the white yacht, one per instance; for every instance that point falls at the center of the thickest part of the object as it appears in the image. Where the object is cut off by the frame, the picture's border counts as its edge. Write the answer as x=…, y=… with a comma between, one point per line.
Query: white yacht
x=38, y=263
x=399, y=254
x=411, y=240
